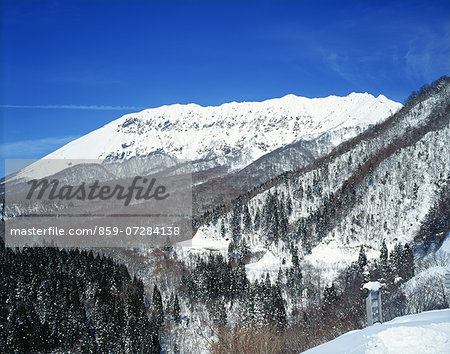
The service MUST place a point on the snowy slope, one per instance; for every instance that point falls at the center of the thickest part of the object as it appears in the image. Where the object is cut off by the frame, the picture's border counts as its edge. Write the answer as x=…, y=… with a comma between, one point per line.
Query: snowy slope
x=233, y=134
x=427, y=332
x=378, y=186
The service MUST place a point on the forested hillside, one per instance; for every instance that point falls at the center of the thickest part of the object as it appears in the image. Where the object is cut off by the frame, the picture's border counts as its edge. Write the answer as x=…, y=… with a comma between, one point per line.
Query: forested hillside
x=379, y=185
x=55, y=300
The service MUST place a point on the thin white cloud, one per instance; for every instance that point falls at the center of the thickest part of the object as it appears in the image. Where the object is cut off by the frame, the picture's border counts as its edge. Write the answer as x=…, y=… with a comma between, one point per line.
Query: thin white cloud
x=33, y=148
x=427, y=54
x=339, y=64
x=70, y=106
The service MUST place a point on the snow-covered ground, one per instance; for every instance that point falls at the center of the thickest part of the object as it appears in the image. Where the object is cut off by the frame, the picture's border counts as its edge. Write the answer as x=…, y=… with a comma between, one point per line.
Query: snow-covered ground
x=435, y=265
x=200, y=245
x=268, y=264
x=331, y=257
x=427, y=332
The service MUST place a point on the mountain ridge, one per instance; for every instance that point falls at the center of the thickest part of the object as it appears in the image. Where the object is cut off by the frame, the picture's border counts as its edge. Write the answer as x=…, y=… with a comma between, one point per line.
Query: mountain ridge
x=232, y=134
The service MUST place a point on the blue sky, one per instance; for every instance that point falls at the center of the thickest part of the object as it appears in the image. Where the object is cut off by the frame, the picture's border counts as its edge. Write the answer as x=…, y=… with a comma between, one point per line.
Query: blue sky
x=69, y=67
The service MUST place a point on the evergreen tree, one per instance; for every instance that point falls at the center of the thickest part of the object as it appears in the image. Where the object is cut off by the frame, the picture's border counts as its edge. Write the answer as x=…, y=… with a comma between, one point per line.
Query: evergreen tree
x=395, y=260
x=278, y=307
x=283, y=223
x=303, y=236
x=240, y=279
x=247, y=219
x=223, y=231
x=243, y=249
x=232, y=251
x=362, y=259
x=289, y=206
x=407, y=262
x=167, y=244
x=236, y=220
x=384, y=256
x=248, y=304
x=257, y=220
x=280, y=277
x=329, y=296
x=176, y=310
x=294, y=283
x=259, y=297
x=271, y=216
x=158, y=306
x=295, y=262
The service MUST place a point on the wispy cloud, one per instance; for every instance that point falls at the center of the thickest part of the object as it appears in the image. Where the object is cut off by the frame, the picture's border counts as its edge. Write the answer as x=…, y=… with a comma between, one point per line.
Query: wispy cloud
x=70, y=106
x=33, y=148
x=338, y=64
x=427, y=54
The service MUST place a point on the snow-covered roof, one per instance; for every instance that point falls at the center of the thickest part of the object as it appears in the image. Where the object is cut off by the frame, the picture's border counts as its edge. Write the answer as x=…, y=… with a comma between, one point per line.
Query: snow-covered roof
x=372, y=285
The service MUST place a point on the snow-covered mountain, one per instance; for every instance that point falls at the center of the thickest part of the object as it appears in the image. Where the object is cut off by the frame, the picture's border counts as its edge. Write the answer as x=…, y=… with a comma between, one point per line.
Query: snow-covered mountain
x=233, y=147
x=233, y=134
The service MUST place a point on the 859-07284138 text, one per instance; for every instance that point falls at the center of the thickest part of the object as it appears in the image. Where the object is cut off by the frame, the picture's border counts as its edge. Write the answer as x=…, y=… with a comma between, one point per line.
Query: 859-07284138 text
x=98, y=231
